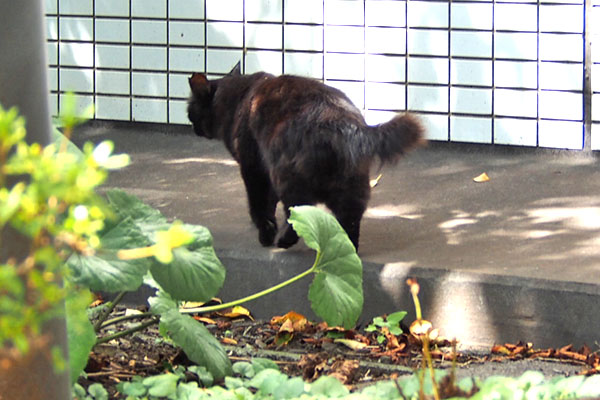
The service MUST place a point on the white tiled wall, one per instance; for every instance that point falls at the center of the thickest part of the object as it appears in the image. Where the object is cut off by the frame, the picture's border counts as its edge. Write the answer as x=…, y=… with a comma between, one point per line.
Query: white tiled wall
x=595, y=26
x=484, y=71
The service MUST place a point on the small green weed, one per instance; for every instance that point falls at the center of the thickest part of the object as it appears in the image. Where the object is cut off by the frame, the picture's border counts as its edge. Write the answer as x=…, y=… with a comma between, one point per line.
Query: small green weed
x=391, y=323
x=261, y=379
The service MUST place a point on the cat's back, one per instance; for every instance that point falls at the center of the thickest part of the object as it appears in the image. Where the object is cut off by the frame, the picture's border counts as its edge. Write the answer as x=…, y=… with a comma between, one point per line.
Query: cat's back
x=278, y=99
x=295, y=89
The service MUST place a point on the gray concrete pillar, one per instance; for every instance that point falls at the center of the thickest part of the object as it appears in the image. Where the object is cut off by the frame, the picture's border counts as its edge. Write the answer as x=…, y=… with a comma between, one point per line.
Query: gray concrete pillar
x=23, y=83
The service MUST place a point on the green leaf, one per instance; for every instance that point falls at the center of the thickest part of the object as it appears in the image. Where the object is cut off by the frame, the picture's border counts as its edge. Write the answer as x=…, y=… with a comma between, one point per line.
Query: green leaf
x=336, y=293
x=162, y=303
x=189, y=391
x=195, y=273
x=135, y=388
x=329, y=387
x=244, y=368
x=10, y=201
x=161, y=385
x=396, y=317
x=233, y=382
x=98, y=392
x=12, y=126
x=291, y=389
x=148, y=219
x=196, y=341
x=261, y=364
x=395, y=330
x=104, y=271
x=78, y=391
x=204, y=376
x=381, y=390
x=267, y=381
x=80, y=332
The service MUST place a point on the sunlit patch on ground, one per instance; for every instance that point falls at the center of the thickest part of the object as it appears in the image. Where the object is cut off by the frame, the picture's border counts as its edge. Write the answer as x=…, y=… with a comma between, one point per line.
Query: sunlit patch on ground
x=393, y=211
x=201, y=160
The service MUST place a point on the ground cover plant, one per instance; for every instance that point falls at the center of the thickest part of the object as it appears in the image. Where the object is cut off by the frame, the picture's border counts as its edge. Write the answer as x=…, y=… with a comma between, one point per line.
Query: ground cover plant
x=311, y=355
x=179, y=262
x=116, y=243
x=47, y=200
x=261, y=379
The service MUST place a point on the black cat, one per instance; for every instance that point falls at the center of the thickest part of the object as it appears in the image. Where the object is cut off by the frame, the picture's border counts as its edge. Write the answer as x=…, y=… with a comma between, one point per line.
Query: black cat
x=297, y=141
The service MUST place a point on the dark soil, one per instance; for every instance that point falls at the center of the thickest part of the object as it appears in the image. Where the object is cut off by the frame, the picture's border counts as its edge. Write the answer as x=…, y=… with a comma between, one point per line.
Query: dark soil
x=312, y=352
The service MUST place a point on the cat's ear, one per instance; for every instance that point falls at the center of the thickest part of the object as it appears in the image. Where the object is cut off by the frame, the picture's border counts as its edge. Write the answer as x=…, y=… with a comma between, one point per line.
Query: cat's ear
x=237, y=70
x=199, y=84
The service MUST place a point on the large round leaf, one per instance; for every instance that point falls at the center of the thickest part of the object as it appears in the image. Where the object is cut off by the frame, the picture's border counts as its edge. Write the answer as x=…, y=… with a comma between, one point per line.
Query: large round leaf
x=195, y=274
x=147, y=218
x=336, y=293
x=104, y=271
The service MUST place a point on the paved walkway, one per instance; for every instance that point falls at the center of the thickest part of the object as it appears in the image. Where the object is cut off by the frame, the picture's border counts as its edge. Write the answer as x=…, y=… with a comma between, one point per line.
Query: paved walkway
x=513, y=258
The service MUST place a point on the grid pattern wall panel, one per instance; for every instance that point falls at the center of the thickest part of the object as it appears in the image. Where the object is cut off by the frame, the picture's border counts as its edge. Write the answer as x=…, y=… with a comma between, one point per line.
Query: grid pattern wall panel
x=483, y=71
x=595, y=73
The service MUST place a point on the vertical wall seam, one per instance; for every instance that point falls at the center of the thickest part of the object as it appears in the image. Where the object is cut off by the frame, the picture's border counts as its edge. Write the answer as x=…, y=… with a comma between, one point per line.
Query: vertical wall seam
x=538, y=64
x=365, y=57
x=449, y=70
x=168, y=72
x=406, y=56
x=493, y=97
x=205, y=39
x=324, y=52
x=587, y=76
x=283, y=37
x=58, y=57
x=130, y=63
x=244, y=48
x=94, y=60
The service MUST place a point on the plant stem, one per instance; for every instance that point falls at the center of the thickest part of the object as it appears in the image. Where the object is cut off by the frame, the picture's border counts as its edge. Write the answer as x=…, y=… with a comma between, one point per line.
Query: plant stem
x=417, y=306
x=427, y=356
x=125, y=318
x=110, y=306
x=126, y=332
x=254, y=296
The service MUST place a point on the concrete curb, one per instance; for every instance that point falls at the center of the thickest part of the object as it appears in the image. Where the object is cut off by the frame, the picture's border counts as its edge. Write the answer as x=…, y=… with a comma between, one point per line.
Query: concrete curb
x=477, y=309
x=517, y=258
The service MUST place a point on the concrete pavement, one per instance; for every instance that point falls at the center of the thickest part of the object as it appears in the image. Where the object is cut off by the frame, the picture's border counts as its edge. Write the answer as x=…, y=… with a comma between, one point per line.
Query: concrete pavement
x=514, y=258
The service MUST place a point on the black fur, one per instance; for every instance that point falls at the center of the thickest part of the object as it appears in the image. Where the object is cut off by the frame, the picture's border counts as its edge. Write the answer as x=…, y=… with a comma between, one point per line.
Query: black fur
x=297, y=141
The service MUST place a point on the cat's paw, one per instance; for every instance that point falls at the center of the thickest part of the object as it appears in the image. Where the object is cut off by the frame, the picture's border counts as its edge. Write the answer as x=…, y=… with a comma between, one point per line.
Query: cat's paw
x=267, y=233
x=288, y=239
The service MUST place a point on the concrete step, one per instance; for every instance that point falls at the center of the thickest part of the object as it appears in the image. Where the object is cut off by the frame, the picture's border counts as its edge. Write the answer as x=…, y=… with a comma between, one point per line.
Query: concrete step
x=514, y=258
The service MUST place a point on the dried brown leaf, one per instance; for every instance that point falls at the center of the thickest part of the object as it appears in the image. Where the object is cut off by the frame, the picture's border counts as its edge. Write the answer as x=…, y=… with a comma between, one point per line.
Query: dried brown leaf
x=344, y=371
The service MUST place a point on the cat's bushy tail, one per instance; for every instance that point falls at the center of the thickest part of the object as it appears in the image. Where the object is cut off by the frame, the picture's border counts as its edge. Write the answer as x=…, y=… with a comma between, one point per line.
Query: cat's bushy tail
x=390, y=140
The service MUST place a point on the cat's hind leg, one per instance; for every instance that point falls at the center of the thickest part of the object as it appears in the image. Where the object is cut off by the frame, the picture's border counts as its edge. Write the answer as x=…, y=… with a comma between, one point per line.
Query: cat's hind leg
x=262, y=202
x=289, y=236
